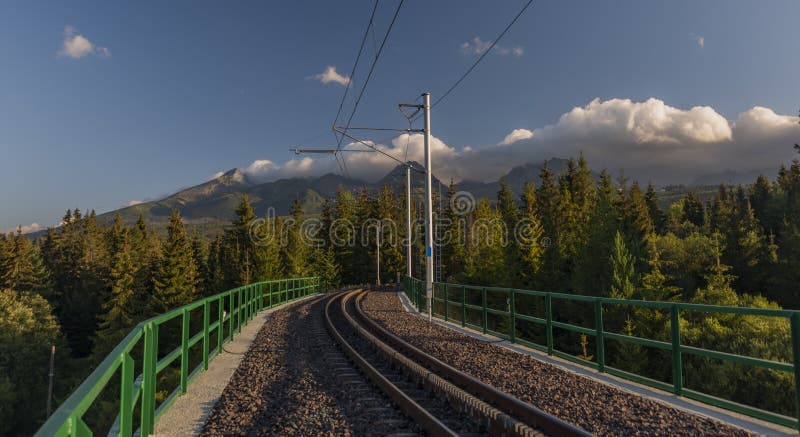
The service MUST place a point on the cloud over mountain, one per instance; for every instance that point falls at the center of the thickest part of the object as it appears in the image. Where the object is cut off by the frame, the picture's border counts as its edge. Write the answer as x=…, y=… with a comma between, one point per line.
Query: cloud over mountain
x=650, y=140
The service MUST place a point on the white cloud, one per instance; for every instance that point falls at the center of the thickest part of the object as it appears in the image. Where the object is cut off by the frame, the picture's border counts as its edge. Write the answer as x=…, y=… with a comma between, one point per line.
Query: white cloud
x=478, y=46
x=651, y=140
x=700, y=40
x=216, y=175
x=26, y=229
x=261, y=169
x=516, y=135
x=77, y=46
x=133, y=202
x=331, y=75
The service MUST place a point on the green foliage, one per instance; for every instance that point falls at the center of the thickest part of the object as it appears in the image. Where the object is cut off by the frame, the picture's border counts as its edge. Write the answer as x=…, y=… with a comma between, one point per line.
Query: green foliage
x=297, y=252
x=123, y=310
x=21, y=266
x=176, y=277
x=93, y=280
x=623, y=275
x=28, y=329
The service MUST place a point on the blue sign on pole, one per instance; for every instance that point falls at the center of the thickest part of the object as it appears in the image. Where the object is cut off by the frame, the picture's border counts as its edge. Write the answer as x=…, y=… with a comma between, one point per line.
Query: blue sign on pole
x=429, y=251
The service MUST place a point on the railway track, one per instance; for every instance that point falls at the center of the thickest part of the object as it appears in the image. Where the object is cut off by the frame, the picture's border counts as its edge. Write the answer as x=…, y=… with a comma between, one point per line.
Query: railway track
x=442, y=400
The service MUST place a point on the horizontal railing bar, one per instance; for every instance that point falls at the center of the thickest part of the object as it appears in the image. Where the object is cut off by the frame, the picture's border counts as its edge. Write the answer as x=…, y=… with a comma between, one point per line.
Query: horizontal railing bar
x=498, y=312
x=528, y=318
x=197, y=337
x=168, y=359
x=575, y=359
x=574, y=328
x=661, y=385
x=741, y=408
x=639, y=340
x=740, y=359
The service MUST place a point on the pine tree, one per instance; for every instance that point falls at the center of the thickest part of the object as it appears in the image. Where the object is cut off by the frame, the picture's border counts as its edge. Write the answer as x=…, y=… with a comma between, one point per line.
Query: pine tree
x=657, y=216
x=655, y=283
x=623, y=276
x=200, y=254
x=21, y=267
x=528, y=239
x=454, y=253
x=122, y=310
x=326, y=267
x=297, y=252
x=510, y=216
x=761, y=194
x=344, y=237
x=216, y=279
x=176, y=277
x=636, y=221
x=116, y=235
x=592, y=275
x=693, y=210
x=548, y=200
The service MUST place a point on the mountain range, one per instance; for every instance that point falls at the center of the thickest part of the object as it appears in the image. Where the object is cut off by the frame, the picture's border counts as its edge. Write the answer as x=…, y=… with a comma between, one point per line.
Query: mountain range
x=216, y=200
x=212, y=204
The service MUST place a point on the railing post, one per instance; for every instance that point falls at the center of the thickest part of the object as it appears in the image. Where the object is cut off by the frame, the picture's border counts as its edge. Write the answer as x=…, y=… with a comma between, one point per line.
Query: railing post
x=126, y=397
x=463, y=306
x=206, y=332
x=548, y=309
x=249, y=297
x=221, y=324
x=675, y=328
x=446, y=319
x=239, y=309
x=150, y=359
x=184, y=351
x=796, y=362
x=270, y=294
x=231, y=313
x=485, y=313
x=246, y=299
x=600, y=338
x=512, y=309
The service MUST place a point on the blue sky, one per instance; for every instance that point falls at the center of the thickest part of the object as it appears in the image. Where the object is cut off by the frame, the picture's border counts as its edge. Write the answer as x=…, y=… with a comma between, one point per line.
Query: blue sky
x=165, y=94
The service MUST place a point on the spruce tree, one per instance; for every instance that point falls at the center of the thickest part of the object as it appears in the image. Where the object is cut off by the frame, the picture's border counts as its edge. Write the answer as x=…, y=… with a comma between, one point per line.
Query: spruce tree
x=454, y=252
x=326, y=267
x=623, y=274
x=297, y=252
x=176, y=278
x=528, y=238
x=693, y=210
x=21, y=267
x=123, y=310
x=657, y=216
x=510, y=216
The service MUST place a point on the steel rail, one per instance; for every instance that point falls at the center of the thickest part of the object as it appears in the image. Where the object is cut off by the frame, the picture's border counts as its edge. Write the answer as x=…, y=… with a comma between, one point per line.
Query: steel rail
x=526, y=412
x=425, y=419
x=499, y=423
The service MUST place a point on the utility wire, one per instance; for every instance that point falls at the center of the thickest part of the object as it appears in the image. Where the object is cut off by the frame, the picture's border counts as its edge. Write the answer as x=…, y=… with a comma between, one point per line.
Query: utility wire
x=483, y=55
x=355, y=64
x=371, y=70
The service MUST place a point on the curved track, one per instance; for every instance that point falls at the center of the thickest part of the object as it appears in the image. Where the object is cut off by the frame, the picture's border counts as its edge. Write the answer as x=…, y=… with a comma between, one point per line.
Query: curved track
x=492, y=411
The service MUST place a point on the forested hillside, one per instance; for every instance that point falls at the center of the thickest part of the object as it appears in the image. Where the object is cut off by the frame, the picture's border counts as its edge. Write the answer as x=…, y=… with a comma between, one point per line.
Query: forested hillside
x=83, y=285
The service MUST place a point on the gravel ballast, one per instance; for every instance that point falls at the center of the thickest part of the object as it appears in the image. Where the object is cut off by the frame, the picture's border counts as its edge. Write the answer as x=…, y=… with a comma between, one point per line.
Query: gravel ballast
x=596, y=407
x=286, y=385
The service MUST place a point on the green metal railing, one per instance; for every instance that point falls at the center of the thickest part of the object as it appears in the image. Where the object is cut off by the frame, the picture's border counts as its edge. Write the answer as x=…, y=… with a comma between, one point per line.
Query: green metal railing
x=415, y=291
x=243, y=304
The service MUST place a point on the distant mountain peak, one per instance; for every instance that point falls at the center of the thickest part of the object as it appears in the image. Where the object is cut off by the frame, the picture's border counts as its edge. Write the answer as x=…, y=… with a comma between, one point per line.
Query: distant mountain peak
x=234, y=176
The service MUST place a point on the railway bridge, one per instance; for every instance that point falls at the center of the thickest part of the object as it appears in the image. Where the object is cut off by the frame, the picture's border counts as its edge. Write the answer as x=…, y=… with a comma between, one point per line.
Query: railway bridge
x=286, y=357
